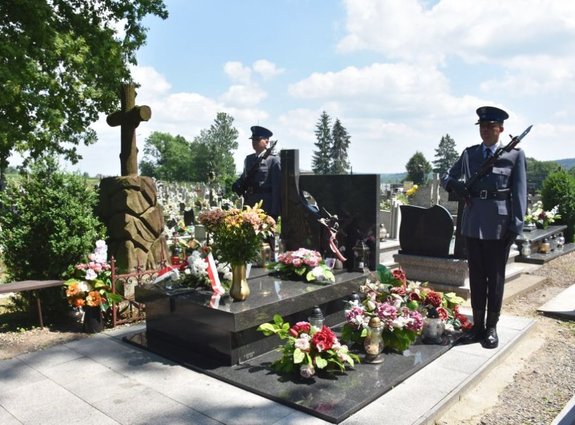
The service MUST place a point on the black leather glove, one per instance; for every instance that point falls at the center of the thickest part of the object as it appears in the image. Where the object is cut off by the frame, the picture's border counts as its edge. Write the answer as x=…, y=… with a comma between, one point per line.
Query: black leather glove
x=510, y=239
x=457, y=187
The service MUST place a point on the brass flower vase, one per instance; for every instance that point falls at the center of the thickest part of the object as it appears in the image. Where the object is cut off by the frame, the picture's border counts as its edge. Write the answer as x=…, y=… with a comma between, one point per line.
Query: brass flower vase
x=239, y=290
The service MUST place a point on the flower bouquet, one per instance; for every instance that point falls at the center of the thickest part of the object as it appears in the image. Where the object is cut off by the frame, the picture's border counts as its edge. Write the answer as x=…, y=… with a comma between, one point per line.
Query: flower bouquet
x=541, y=218
x=238, y=234
x=447, y=307
x=237, y=239
x=401, y=306
x=307, y=348
x=303, y=263
x=89, y=286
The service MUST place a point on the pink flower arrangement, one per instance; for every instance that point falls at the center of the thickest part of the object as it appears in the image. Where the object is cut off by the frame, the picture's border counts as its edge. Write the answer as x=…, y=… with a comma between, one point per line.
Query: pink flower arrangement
x=303, y=263
x=90, y=283
x=307, y=348
x=401, y=306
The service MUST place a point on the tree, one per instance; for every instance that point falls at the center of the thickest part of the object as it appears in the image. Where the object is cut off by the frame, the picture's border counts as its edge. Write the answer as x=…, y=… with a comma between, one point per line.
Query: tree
x=167, y=157
x=212, y=151
x=418, y=168
x=446, y=155
x=537, y=171
x=47, y=223
x=61, y=65
x=559, y=189
x=321, y=160
x=341, y=140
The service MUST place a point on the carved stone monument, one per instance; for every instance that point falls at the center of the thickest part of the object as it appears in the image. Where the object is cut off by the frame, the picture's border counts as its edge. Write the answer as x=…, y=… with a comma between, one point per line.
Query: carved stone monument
x=128, y=204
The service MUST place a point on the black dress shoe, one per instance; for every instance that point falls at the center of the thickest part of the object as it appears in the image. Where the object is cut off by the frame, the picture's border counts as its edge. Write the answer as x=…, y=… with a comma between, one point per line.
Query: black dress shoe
x=476, y=334
x=491, y=340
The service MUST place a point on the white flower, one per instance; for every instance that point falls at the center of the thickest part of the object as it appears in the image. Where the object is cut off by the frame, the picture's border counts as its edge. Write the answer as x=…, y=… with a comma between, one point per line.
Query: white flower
x=91, y=274
x=303, y=342
x=306, y=371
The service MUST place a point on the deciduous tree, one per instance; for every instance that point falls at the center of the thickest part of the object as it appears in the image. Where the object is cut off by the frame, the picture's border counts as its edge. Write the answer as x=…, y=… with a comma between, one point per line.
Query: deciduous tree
x=418, y=168
x=61, y=65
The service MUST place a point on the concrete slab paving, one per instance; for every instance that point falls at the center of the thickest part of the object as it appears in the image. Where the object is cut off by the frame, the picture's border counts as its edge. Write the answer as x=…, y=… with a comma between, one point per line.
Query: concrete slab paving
x=562, y=305
x=102, y=380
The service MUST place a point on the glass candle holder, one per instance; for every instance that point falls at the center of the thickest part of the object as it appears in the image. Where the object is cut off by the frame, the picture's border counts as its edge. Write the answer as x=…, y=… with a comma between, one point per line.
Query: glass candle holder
x=433, y=328
x=316, y=318
x=373, y=343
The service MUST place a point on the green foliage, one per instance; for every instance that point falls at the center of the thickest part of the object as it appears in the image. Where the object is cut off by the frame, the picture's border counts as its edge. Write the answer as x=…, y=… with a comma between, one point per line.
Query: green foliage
x=46, y=222
x=167, y=157
x=321, y=160
x=332, y=145
x=537, y=171
x=341, y=140
x=212, y=151
x=61, y=66
x=446, y=155
x=559, y=189
x=418, y=168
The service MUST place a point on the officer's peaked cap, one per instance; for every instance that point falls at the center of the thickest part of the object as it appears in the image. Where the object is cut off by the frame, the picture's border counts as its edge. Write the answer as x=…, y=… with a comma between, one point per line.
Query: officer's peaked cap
x=260, y=132
x=491, y=114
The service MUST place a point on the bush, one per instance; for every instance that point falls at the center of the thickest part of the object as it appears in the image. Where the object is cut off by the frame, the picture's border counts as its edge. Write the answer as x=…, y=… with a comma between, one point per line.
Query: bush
x=559, y=189
x=47, y=223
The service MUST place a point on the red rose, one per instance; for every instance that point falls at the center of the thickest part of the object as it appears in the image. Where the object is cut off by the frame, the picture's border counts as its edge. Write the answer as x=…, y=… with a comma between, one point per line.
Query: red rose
x=442, y=312
x=324, y=339
x=299, y=328
x=399, y=275
x=433, y=298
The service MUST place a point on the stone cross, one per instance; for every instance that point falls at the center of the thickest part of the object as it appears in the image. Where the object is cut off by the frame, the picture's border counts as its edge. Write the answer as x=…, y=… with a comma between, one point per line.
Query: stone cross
x=129, y=117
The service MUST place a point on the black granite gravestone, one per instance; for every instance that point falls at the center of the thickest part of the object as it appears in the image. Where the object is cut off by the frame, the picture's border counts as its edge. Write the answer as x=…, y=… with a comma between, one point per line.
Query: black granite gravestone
x=353, y=198
x=425, y=231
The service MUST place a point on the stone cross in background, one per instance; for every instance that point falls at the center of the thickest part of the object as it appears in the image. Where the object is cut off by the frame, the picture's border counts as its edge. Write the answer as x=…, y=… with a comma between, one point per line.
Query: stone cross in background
x=129, y=117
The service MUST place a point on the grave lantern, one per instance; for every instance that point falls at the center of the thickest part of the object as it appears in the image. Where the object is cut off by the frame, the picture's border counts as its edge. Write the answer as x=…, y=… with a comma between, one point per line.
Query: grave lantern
x=360, y=256
x=316, y=318
x=433, y=328
x=373, y=343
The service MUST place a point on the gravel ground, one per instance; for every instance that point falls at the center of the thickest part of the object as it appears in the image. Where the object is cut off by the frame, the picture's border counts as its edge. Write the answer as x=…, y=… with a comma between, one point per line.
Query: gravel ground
x=544, y=378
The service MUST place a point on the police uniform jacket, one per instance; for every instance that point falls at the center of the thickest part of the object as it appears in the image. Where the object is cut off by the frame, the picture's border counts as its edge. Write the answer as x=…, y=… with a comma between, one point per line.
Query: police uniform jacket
x=498, y=200
x=265, y=185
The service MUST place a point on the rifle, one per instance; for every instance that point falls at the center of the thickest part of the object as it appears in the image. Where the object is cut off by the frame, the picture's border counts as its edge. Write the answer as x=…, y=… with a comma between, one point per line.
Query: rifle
x=489, y=162
x=241, y=185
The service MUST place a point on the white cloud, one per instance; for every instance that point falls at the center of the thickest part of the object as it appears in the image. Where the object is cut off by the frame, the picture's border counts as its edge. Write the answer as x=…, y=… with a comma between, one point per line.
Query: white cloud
x=266, y=69
x=243, y=95
x=238, y=72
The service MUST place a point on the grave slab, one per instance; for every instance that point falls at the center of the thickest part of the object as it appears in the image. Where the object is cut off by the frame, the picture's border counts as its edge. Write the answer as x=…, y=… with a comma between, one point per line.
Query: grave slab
x=562, y=305
x=332, y=397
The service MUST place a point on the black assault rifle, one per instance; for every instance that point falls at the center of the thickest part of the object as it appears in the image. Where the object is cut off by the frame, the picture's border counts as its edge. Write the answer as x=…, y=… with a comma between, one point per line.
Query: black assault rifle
x=489, y=162
x=240, y=187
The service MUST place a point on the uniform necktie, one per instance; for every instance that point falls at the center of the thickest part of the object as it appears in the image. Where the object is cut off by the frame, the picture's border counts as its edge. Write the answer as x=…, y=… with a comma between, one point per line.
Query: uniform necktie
x=488, y=153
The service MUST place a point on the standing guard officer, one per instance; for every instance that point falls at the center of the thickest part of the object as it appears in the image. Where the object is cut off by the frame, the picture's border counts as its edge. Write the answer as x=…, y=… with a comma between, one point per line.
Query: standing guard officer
x=262, y=183
x=492, y=218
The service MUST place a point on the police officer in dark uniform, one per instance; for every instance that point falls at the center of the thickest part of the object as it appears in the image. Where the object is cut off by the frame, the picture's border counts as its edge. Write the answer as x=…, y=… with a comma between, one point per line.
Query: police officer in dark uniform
x=264, y=182
x=492, y=218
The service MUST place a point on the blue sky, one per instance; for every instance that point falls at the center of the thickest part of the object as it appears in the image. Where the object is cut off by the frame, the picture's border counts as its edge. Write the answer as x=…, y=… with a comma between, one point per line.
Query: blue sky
x=399, y=75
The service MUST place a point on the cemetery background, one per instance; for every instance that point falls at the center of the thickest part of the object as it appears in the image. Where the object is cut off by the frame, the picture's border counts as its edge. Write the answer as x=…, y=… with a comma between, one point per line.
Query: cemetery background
x=533, y=384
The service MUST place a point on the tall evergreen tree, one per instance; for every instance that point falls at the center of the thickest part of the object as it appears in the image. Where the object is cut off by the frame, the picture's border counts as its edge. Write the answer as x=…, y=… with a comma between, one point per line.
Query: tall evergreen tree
x=341, y=140
x=321, y=161
x=446, y=155
x=418, y=169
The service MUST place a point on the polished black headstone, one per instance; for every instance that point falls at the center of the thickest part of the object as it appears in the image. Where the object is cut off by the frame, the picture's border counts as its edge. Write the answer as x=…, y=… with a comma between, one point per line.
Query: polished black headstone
x=353, y=198
x=226, y=330
x=425, y=231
